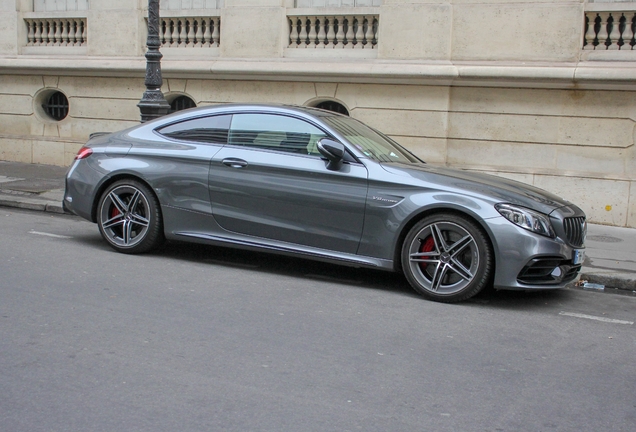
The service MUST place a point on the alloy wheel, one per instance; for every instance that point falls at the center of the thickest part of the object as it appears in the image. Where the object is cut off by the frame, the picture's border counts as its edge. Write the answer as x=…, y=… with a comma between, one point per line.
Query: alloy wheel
x=124, y=216
x=446, y=257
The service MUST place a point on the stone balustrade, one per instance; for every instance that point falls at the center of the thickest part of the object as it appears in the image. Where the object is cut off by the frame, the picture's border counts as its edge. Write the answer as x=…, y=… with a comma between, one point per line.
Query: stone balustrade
x=610, y=30
x=333, y=31
x=68, y=32
x=190, y=32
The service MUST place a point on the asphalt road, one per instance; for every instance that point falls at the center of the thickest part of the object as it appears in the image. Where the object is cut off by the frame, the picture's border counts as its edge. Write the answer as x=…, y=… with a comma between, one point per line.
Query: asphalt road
x=194, y=338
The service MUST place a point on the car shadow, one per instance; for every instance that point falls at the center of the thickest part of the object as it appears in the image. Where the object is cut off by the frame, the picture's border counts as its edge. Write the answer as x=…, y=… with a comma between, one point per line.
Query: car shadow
x=521, y=300
x=356, y=277
x=287, y=265
x=326, y=272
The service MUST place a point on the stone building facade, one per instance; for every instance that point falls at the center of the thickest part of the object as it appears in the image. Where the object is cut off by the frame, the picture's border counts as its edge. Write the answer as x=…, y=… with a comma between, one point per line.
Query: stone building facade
x=540, y=91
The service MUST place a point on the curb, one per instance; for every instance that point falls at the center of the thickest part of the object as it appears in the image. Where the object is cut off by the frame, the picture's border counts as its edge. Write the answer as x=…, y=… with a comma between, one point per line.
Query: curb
x=615, y=280
x=32, y=204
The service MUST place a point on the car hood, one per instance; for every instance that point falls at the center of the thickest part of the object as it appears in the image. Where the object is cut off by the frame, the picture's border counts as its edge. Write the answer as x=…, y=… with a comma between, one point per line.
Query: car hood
x=498, y=189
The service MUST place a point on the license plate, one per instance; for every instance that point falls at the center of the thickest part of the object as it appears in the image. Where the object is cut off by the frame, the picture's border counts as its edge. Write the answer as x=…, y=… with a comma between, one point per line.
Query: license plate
x=579, y=256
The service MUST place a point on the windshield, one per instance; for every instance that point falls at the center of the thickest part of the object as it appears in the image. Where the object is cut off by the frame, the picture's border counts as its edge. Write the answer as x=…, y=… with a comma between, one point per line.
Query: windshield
x=373, y=144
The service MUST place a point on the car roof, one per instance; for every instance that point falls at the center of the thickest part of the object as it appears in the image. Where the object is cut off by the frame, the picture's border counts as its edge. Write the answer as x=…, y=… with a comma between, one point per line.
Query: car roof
x=242, y=107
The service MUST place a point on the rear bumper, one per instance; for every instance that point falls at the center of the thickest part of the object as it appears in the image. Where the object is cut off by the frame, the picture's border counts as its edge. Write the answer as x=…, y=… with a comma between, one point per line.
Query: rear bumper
x=79, y=192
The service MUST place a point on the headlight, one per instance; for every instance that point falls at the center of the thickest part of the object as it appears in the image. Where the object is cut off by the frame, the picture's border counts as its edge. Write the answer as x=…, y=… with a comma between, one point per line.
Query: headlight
x=528, y=219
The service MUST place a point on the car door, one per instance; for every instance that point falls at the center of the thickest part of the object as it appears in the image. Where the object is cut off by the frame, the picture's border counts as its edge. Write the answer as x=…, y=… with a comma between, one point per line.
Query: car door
x=270, y=182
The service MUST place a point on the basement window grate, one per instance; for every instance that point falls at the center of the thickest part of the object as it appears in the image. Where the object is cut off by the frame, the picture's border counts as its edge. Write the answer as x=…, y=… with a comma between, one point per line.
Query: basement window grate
x=333, y=106
x=56, y=106
x=181, y=103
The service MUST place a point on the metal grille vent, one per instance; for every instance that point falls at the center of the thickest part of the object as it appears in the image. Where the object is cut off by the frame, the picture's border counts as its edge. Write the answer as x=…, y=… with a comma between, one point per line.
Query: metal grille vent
x=181, y=103
x=56, y=106
x=333, y=106
x=575, y=230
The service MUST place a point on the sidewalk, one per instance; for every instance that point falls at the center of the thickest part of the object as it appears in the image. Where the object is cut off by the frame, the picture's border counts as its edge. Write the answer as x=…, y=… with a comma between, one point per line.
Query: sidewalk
x=31, y=186
x=610, y=251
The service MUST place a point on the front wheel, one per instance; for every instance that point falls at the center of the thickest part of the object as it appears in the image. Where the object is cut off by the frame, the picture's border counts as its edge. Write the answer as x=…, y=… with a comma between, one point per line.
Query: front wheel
x=447, y=257
x=129, y=217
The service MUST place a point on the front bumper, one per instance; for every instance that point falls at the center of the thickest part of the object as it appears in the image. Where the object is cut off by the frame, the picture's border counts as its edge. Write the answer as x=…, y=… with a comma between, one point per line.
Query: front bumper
x=525, y=260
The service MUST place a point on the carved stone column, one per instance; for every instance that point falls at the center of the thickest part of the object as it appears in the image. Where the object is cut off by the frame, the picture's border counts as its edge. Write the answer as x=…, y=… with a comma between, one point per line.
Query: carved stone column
x=153, y=104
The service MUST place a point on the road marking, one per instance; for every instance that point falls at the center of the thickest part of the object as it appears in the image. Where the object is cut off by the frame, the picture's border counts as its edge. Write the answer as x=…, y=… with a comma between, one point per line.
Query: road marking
x=596, y=318
x=4, y=179
x=49, y=235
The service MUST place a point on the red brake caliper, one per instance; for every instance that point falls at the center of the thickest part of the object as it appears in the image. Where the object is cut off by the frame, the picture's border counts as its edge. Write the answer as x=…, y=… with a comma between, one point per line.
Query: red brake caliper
x=428, y=245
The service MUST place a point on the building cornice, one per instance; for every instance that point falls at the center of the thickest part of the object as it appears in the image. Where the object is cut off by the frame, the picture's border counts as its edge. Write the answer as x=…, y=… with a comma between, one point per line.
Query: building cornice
x=581, y=75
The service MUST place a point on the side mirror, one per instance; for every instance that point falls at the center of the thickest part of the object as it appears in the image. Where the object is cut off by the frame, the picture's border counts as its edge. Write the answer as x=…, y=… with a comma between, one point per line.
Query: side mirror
x=334, y=151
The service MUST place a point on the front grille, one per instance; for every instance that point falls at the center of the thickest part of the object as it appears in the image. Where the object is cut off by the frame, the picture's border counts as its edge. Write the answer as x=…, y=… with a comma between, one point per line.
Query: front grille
x=575, y=230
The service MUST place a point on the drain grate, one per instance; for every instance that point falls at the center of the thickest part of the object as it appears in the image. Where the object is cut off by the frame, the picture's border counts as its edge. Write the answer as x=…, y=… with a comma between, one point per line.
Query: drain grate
x=604, y=239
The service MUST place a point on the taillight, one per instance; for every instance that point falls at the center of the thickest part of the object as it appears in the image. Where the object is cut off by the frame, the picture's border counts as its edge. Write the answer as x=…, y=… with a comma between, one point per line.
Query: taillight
x=83, y=153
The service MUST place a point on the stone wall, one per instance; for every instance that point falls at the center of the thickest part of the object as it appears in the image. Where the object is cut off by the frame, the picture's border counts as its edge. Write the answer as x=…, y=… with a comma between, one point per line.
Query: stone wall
x=499, y=87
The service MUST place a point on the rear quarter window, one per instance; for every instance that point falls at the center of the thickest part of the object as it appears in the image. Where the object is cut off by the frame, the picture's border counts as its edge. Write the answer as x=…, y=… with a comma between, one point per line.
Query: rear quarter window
x=212, y=130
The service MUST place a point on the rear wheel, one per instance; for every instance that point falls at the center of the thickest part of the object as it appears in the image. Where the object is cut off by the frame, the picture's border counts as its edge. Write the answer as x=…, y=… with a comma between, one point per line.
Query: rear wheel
x=129, y=217
x=447, y=257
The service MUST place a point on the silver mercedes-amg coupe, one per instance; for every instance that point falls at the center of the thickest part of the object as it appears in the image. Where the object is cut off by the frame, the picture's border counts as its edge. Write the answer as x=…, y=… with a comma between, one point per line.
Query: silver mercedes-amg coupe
x=316, y=184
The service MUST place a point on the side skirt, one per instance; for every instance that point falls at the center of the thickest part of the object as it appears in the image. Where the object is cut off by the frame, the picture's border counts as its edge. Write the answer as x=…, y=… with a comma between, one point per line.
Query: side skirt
x=257, y=244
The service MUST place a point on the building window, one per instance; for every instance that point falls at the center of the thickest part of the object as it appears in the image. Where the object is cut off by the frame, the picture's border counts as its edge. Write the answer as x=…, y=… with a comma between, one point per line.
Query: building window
x=56, y=106
x=333, y=106
x=181, y=103
x=190, y=4
x=59, y=5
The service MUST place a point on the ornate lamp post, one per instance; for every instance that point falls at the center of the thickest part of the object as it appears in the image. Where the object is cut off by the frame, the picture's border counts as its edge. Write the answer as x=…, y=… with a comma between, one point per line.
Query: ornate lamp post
x=152, y=103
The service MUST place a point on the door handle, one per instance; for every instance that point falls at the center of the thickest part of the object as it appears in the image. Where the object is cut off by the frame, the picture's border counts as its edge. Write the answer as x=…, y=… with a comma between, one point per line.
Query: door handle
x=234, y=163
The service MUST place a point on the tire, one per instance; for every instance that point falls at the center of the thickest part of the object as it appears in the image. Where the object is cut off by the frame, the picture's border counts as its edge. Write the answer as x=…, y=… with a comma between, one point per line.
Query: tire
x=447, y=257
x=129, y=217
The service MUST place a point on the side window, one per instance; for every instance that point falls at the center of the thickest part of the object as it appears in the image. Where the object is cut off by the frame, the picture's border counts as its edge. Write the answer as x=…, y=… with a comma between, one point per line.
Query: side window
x=275, y=132
x=212, y=130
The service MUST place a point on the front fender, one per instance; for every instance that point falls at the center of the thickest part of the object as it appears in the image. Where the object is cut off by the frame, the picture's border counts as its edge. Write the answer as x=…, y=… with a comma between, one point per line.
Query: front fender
x=386, y=224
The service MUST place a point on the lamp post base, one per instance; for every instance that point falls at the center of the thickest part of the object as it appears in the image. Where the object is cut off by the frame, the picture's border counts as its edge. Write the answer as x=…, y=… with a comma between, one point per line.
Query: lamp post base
x=153, y=105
